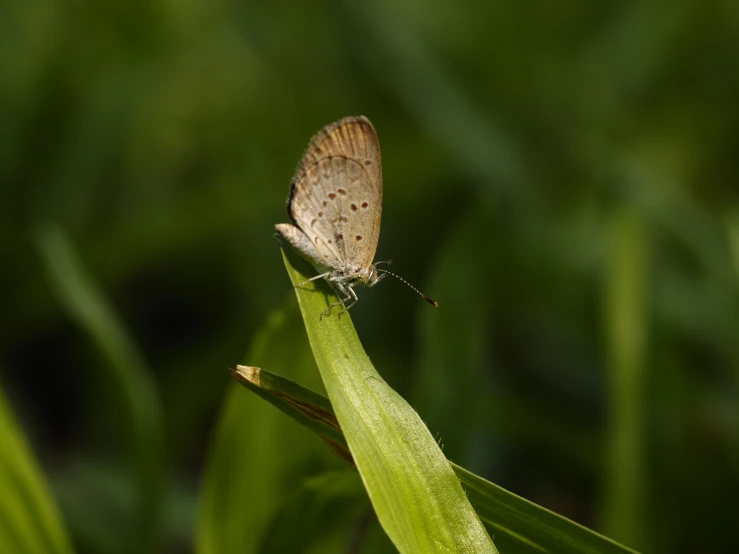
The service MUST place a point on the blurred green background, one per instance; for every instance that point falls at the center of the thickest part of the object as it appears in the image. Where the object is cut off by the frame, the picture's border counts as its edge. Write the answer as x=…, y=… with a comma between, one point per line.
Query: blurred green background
x=561, y=177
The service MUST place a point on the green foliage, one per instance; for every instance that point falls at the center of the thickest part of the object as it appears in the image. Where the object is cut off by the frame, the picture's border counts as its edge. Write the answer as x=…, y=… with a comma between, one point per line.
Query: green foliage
x=255, y=452
x=29, y=519
x=519, y=525
x=626, y=328
x=415, y=494
x=131, y=378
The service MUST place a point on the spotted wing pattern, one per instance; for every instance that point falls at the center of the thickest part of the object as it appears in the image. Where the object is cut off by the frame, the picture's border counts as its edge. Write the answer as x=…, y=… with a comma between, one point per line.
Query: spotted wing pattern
x=336, y=195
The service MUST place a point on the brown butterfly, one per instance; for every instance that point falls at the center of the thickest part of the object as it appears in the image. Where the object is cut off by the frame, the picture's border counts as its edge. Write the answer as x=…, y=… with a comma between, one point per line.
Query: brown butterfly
x=335, y=205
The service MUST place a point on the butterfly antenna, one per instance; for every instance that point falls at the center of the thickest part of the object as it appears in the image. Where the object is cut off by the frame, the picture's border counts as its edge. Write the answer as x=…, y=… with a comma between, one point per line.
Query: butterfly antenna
x=431, y=301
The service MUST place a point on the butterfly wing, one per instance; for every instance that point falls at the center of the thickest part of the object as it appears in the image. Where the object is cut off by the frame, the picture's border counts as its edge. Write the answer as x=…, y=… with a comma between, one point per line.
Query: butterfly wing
x=336, y=195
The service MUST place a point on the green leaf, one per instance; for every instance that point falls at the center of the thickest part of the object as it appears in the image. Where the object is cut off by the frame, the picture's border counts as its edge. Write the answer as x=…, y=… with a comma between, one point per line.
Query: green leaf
x=87, y=305
x=626, y=323
x=732, y=233
x=416, y=495
x=517, y=524
x=323, y=514
x=305, y=406
x=29, y=519
x=256, y=455
x=457, y=336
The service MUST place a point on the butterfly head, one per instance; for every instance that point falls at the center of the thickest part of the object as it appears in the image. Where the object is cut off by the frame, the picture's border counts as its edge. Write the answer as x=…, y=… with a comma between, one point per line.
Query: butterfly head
x=373, y=276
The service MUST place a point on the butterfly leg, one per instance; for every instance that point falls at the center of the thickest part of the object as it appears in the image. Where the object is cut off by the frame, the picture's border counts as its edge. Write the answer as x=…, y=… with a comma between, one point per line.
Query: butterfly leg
x=354, y=295
x=321, y=276
x=343, y=291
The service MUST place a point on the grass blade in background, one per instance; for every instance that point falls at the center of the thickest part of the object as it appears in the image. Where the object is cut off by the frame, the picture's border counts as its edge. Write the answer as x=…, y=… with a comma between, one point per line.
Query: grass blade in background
x=624, y=510
x=256, y=454
x=457, y=337
x=30, y=521
x=732, y=232
x=414, y=492
x=450, y=115
x=517, y=524
x=324, y=514
x=86, y=304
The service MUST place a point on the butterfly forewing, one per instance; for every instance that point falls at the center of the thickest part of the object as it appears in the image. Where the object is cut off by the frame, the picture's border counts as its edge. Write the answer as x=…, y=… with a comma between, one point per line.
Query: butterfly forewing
x=336, y=196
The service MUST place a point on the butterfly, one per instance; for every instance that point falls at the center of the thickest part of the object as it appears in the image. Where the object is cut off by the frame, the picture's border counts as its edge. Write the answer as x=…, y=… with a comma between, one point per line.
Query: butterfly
x=335, y=205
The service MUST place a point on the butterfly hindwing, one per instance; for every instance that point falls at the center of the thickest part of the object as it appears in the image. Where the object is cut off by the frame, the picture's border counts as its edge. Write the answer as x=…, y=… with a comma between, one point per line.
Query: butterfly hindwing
x=336, y=196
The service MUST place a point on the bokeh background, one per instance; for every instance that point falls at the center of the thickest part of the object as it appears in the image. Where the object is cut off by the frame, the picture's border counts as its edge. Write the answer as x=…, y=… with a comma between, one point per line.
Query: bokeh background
x=562, y=177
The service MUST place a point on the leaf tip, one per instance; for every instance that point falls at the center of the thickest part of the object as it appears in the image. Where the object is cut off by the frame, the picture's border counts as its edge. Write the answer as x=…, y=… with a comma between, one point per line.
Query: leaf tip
x=247, y=373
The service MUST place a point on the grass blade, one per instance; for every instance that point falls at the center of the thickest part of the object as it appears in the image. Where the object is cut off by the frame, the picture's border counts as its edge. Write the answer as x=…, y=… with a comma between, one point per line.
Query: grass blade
x=624, y=511
x=256, y=455
x=87, y=305
x=415, y=494
x=29, y=519
x=517, y=524
x=458, y=337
